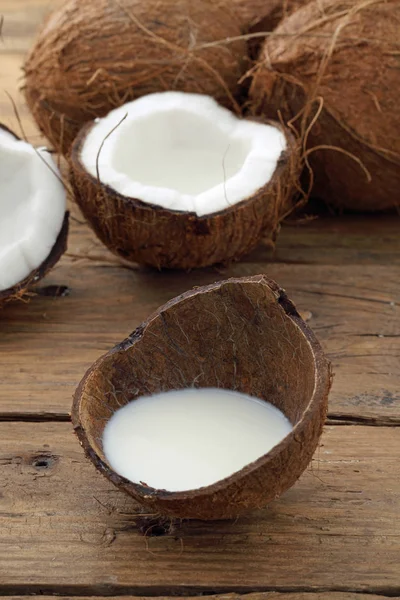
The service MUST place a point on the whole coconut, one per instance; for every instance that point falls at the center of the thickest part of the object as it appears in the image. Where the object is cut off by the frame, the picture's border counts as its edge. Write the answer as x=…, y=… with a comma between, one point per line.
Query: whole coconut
x=91, y=57
x=340, y=61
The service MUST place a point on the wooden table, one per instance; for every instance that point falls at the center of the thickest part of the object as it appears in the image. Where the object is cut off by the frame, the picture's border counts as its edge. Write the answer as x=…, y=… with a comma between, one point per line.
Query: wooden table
x=65, y=530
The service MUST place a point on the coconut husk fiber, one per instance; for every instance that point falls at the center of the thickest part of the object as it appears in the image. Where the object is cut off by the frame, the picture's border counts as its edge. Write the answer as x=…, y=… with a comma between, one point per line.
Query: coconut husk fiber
x=267, y=20
x=91, y=57
x=336, y=65
x=269, y=12
x=241, y=334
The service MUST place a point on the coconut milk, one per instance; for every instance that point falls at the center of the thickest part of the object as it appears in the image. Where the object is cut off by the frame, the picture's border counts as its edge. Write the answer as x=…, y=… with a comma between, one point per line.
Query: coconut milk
x=186, y=439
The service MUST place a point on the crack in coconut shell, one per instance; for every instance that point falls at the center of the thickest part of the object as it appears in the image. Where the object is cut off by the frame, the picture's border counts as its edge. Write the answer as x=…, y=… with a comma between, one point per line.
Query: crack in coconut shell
x=347, y=54
x=71, y=76
x=20, y=289
x=163, y=238
x=242, y=334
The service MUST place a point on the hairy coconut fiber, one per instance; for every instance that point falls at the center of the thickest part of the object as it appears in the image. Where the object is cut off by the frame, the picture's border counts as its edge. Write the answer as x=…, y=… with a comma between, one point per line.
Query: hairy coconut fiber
x=20, y=289
x=241, y=334
x=274, y=11
x=269, y=12
x=91, y=57
x=339, y=63
x=162, y=238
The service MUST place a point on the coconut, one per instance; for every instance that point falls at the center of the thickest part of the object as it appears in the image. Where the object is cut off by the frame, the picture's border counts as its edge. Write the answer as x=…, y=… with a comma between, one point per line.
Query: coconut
x=240, y=334
x=174, y=180
x=91, y=57
x=33, y=221
x=269, y=12
x=338, y=63
x=267, y=20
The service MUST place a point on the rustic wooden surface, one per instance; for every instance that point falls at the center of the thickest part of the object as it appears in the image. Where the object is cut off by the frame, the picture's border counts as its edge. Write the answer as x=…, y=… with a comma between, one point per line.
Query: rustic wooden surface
x=65, y=530
x=254, y=596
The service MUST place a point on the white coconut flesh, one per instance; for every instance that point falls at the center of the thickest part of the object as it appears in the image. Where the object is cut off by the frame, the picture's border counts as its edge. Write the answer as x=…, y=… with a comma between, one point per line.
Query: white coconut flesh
x=32, y=208
x=182, y=152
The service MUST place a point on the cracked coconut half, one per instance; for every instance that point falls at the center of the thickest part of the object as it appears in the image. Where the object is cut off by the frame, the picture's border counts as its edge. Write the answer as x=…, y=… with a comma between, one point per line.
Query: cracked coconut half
x=174, y=180
x=33, y=219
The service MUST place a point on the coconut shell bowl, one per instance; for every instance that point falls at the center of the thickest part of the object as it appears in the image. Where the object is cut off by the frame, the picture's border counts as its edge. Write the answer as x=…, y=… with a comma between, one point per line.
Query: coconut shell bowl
x=239, y=334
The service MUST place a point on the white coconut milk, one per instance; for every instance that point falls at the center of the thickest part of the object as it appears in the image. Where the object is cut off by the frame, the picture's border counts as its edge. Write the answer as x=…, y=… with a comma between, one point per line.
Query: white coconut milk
x=186, y=439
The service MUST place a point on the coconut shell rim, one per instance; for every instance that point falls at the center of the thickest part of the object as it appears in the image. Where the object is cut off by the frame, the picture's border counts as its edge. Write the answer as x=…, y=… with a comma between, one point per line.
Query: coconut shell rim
x=74, y=158
x=58, y=249
x=323, y=381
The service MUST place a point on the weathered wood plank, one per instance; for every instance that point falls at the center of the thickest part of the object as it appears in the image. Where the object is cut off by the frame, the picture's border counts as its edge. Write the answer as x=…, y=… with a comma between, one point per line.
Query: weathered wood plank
x=331, y=240
x=21, y=20
x=64, y=527
x=254, y=596
x=47, y=345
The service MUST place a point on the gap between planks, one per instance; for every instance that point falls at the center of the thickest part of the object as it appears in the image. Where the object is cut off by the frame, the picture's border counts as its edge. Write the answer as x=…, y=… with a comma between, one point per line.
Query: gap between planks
x=333, y=419
x=87, y=594
x=66, y=529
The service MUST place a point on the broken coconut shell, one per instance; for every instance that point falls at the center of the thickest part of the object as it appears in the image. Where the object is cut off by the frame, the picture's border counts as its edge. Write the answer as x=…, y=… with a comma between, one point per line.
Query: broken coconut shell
x=340, y=58
x=20, y=289
x=91, y=57
x=160, y=237
x=241, y=334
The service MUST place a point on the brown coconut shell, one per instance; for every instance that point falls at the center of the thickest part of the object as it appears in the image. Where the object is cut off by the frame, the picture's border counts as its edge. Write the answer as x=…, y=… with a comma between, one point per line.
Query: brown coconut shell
x=344, y=58
x=20, y=289
x=241, y=334
x=91, y=57
x=162, y=238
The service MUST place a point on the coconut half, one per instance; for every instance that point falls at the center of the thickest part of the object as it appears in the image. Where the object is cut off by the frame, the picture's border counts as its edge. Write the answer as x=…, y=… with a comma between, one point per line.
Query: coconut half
x=339, y=61
x=33, y=219
x=175, y=180
x=240, y=334
x=91, y=57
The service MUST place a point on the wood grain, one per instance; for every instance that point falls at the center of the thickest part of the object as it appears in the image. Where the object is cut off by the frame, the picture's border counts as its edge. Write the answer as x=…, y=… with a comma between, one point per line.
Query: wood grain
x=47, y=344
x=66, y=530
x=255, y=596
x=64, y=527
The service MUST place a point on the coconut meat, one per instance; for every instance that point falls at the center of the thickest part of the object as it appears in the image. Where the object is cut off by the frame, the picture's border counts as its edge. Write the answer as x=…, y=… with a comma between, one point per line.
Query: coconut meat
x=32, y=208
x=182, y=152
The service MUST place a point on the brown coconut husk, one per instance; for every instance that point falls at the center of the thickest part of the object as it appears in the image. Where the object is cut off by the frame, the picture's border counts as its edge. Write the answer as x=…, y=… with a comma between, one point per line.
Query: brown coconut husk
x=271, y=353
x=158, y=237
x=252, y=13
x=91, y=57
x=336, y=64
x=21, y=289
x=259, y=17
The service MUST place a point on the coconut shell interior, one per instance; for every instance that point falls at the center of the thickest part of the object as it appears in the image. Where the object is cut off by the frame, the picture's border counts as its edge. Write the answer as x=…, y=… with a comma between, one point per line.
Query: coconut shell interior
x=240, y=334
